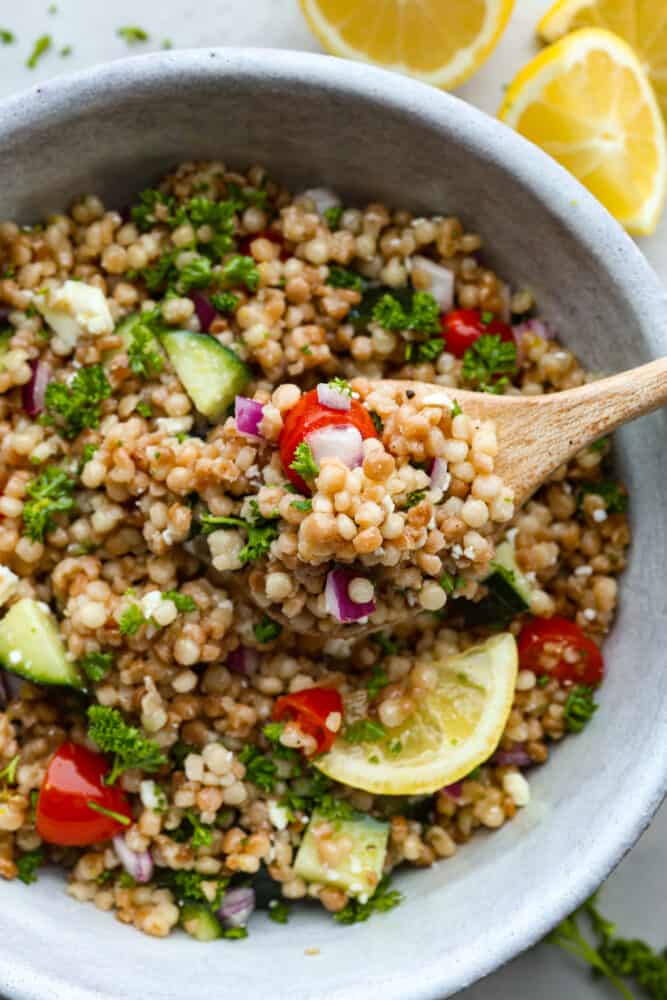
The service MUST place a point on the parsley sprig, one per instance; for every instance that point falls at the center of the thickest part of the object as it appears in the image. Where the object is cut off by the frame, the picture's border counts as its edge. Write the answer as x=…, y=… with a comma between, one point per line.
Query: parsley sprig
x=261, y=531
x=613, y=494
x=489, y=362
x=580, y=708
x=304, y=463
x=382, y=900
x=113, y=735
x=422, y=316
x=50, y=494
x=74, y=406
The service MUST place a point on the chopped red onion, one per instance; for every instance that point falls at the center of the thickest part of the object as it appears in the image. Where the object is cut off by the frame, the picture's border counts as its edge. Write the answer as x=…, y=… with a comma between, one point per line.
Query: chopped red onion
x=512, y=758
x=341, y=441
x=442, y=281
x=327, y=395
x=10, y=687
x=243, y=660
x=138, y=864
x=237, y=907
x=339, y=604
x=440, y=477
x=248, y=413
x=35, y=390
x=323, y=199
x=454, y=790
x=204, y=310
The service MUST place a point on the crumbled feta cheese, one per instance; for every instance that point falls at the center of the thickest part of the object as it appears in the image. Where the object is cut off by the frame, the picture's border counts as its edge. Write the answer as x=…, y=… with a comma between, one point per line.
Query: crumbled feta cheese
x=278, y=815
x=438, y=399
x=340, y=648
x=225, y=549
x=518, y=789
x=15, y=657
x=599, y=515
x=457, y=551
x=322, y=198
x=175, y=425
x=469, y=552
x=73, y=309
x=8, y=583
x=150, y=602
x=583, y=571
x=589, y=614
x=333, y=721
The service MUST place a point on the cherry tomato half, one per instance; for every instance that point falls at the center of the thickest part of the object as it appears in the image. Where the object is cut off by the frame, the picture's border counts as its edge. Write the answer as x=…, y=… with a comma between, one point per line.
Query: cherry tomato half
x=72, y=791
x=463, y=327
x=559, y=648
x=310, y=710
x=310, y=415
x=266, y=234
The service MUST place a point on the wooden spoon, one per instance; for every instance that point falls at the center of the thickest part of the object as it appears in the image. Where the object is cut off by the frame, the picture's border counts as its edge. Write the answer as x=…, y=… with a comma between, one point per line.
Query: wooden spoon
x=537, y=434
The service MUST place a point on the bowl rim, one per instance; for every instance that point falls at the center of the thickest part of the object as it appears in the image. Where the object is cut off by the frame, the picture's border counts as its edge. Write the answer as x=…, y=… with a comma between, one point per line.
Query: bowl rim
x=594, y=229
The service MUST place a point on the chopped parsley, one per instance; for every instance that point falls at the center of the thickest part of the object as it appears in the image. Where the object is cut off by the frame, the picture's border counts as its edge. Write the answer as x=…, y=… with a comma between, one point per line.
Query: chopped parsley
x=422, y=316
x=387, y=645
x=87, y=453
x=456, y=409
x=96, y=665
x=332, y=216
x=378, y=680
x=27, y=865
x=449, y=583
x=103, y=811
x=145, y=214
x=303, y=462
x=143, y=354
x=180, y=750
x=365, y=731
x=427, y=350
x=382, y=900
x=240, y=270
x=580, y=708
x=279, y=911
x=6, y=37
x=235, y=933
x=377, y=421
x=267, y=630
x=131, y=620
x=197, y=273
x=261, y=531
x=108, y=729
x=184, y=603
x=340, y=385
x=599, y=445
x=75, y=406
x=40, y=48
x=341, y=277
x=414, y=498
x=613, y=494
x=133, y=35
x=65, y=51
x=260, y=768
x=394, y=747
x=50, y=494
x=201, y=833
x=8, y=773
x=305, y=506
x=488, y=363
x=186, y=886
x=225, y=302
x=143, y=409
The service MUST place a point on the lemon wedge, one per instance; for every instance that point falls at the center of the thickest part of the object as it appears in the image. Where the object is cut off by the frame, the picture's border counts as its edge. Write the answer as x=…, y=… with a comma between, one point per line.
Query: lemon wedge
x=440, y=43
x=642, y=23
x=454, y=729
x=588, y=103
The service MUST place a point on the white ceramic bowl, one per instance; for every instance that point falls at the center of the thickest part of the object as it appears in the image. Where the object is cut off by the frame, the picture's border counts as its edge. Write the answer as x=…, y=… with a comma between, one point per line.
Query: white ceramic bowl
x=319, y=121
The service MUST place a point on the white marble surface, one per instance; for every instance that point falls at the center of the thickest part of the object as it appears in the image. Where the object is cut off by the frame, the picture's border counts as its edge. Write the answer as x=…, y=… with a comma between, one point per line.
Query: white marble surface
x=634, y=895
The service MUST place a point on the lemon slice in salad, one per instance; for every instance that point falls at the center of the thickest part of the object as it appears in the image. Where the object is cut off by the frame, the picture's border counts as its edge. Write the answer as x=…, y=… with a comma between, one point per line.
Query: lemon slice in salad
x=456, y=727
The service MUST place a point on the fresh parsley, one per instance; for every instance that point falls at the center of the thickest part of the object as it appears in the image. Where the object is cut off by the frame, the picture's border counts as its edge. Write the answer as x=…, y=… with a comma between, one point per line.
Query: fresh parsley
x=333, y=215
x=27, y=865
x=456, y=409
x=414, y=498
x=261, y=531
x=382, y=900
x=267, y=630
x=377, y=681
x=143, y=354
x=580, y=708
x=133, y=35
x=40, y=48
x=186, y=886
x=279, y=911
x=303, y=462
x=109, y=813
x=449, y=583
x=184, y=603
x=8, y=773
x=131, y=620
x=387, y=645
x=305, y=506
x=260, y=768
x=423, y=315
x=341, y=277
x=76, y=405
x=201, y=833
x=113, y=735
x=225, y=302
x=143, y=409
x=377, y=422
x=50, y=494
x=489, y=362
x=340, y=385
x=6, y=37
x=240, y=270
x=613, y=494
x=365, y=731
x=424, y=351
x=96, y=665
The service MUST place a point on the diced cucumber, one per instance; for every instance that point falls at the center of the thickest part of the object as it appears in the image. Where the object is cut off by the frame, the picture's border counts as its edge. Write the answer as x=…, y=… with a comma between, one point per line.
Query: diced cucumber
x=200, y=922
x=360, y=869
x=509, y=592
x=211, y=373
x=5, y=337
x=30, y=646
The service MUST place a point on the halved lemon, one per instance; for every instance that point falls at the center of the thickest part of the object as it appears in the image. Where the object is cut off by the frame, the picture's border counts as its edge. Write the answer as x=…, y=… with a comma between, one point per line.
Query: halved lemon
x=456, y=728
x=642, y=23
x=441, y=42
x=587, y=101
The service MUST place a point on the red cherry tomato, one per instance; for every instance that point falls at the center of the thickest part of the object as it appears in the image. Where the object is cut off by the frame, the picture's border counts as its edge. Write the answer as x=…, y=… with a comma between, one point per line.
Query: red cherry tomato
x=559, y=648
x=72, y=789
x=310, y=710
x=266, y=234
x=310, y=415
x=463, y=327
